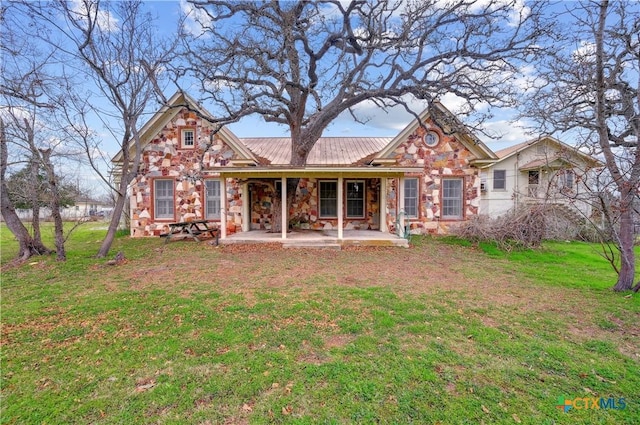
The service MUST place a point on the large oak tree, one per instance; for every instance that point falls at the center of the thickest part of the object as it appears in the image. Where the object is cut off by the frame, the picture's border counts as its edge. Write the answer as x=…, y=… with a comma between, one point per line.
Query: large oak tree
x=302, y=64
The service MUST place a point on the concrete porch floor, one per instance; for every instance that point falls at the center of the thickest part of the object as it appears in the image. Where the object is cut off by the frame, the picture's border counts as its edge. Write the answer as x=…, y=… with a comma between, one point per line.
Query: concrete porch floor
x=319, y=239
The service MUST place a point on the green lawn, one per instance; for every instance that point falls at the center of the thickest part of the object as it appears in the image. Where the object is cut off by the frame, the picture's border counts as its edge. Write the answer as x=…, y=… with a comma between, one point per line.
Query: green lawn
x=188, y=333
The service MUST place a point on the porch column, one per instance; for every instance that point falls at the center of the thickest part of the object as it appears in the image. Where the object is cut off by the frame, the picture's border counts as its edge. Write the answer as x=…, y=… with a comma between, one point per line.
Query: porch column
x=223, y=208
x=383, y=205
x=246, y=210
x=283, y=201
x=340, y=207
x=400, y=211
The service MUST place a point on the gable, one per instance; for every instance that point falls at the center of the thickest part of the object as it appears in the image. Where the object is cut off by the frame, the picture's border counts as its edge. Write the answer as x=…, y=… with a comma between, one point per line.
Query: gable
x=546, y=151
x=453, y=136
x=161, y=134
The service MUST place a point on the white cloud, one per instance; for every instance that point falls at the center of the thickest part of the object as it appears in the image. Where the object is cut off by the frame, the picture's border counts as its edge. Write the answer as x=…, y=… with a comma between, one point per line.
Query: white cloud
x=196, y=19
x=585, y=52
x=104, y=19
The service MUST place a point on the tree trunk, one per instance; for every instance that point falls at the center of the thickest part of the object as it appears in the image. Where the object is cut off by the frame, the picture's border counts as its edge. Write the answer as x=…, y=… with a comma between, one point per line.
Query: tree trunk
x=35, y=201
x=115, y=220
x=276, y=212
x=61, y=254
x=127, y=177
x=625, y=242
x=28, y=246
x=624, y=237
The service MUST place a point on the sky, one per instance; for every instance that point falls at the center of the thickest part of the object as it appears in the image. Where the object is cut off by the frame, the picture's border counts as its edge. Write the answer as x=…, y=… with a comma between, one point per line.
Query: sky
x=380, y=124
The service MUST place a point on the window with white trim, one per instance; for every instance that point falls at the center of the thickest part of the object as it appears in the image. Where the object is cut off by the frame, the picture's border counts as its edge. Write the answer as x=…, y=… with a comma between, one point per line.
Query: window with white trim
x=452, y=198
x=499, y=179
x=411, y=198
x=212, y=199
x=328, y=198
x=188, y=137
x=163, y=198
x=355, y=198
x=567, y=179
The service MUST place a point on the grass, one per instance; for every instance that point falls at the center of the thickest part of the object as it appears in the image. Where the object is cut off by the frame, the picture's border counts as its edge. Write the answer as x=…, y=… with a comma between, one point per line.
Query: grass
x=189, y=333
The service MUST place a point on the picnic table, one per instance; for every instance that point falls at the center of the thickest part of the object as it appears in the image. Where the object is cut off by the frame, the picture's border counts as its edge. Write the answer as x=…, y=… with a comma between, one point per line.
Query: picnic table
x=191, y=229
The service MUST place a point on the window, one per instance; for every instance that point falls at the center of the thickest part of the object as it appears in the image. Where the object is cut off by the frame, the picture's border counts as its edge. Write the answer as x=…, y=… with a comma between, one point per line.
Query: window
x=212, y=199
x=499, y=179
x=534, y=177
x=355, y=199
x=328, y=198
x=163, y=190
x=411, y=198
x=188, y=138
x=567, y=179
x=452, y=198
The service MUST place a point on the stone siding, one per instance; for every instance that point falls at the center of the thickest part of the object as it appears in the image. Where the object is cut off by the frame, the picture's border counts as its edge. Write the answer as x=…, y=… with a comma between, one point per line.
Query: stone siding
x=164, y=158
x=449, y=158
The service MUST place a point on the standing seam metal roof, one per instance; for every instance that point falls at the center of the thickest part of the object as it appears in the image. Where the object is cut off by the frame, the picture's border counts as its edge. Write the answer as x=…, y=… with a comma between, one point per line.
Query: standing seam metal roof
x=327, y=151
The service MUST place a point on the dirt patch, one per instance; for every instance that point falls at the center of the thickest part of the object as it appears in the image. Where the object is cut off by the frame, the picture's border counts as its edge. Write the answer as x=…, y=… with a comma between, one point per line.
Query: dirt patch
x=337, y=341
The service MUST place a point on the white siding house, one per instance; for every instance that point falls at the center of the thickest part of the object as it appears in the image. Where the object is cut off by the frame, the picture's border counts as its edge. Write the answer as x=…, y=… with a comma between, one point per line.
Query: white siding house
x=542, y=170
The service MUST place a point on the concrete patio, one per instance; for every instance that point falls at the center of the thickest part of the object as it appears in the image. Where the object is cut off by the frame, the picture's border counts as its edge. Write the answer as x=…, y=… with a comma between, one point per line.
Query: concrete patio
x=319, y=239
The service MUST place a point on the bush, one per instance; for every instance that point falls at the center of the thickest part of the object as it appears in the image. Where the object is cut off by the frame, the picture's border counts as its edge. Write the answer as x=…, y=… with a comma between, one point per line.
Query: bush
x=523, y=228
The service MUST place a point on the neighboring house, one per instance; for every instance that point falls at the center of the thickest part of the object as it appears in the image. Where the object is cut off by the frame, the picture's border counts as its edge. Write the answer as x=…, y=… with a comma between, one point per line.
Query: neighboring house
x=86, y=207
x=83, y=207
x=542, y=170
x=425, y=179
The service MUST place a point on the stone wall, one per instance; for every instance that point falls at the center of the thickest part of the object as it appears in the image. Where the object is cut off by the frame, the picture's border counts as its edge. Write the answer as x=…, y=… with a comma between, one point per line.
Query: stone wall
x=163, y=157
x=449, y=158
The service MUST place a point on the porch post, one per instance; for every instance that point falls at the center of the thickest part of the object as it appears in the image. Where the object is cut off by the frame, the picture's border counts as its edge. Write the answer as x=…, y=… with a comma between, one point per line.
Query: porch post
x=283, y=201
x=400, y=211
x=383, y=205
x=223, y=208
x=246, y=210
x=340, y=207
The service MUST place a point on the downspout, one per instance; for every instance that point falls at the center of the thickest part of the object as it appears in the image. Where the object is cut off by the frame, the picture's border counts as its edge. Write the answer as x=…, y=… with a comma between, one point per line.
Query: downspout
x=516, y=185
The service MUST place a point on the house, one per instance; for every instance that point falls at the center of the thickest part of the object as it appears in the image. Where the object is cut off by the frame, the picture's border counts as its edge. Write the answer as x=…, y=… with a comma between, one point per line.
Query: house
x=86, y=207
x=83, y=207
x=541, y=170
x=425, y=180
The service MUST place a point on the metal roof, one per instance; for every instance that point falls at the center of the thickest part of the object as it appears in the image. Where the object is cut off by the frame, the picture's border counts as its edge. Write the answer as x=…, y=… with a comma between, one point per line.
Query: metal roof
x=327, y=151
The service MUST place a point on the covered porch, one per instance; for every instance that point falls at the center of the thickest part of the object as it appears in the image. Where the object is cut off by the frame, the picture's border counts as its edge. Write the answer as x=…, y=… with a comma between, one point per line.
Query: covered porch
x=340, y=232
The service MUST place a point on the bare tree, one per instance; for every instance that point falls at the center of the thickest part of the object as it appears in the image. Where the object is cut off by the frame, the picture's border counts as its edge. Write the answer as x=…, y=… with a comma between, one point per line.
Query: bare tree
x=28, y=246
x=116, y=46
x=302, y=64
x=23, y=90
x=589, y=86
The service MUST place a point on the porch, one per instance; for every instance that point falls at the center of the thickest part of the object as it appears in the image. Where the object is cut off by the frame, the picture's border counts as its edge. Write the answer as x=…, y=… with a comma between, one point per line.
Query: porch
x=319, y=239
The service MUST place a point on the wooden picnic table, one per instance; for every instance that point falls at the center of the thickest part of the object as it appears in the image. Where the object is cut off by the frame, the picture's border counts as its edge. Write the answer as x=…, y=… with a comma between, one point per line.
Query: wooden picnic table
x=191, y=229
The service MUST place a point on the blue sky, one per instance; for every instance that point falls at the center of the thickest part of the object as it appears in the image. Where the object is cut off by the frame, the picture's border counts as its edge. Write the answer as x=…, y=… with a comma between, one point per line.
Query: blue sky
x=380, y=123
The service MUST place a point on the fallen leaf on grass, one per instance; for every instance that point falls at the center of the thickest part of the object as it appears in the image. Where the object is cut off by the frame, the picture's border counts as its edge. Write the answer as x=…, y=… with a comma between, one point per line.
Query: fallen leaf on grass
x=485, y=410
x=141, y=388
x=247, y=408
x=286, y=410
x=516, y=418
